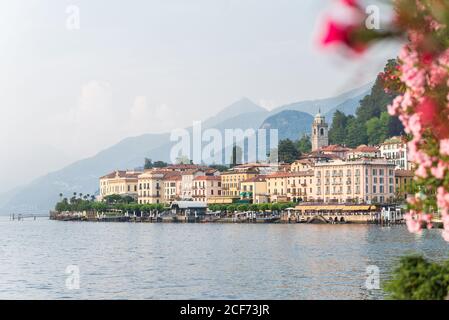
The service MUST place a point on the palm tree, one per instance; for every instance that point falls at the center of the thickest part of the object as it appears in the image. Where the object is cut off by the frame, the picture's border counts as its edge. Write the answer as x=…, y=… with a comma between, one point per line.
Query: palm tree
x=61, y=195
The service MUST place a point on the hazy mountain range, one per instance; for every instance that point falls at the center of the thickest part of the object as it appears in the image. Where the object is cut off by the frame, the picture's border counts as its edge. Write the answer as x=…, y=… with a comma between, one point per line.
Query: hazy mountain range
x=292, y=120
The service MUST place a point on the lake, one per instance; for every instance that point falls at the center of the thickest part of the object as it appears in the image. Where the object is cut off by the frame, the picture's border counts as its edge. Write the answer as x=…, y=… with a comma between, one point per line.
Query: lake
x=200, y=261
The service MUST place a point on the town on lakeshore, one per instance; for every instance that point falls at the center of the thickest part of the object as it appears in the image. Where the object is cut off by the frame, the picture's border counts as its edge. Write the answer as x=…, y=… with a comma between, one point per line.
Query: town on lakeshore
x=331, y=184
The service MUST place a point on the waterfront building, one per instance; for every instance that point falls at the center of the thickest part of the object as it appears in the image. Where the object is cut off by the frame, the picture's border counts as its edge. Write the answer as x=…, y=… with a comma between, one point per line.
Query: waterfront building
x=404, y=180
x=230, y=180
x=151, y=188
x=354, y=181
x=172, y=186
x=319, y=132
x=206, y=187
x=254, y=189
x=119, y=182
x=396, y=150
x=187, y=178
x=190, y=210
x=364, y=151
x=289, y=186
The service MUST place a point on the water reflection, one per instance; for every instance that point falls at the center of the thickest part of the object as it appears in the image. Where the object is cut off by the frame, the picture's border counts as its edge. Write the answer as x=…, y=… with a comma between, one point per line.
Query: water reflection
x=207, y=261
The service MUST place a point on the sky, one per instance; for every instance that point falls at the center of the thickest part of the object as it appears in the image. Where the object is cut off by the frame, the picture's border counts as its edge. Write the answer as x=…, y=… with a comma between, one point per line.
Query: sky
x=79, y=76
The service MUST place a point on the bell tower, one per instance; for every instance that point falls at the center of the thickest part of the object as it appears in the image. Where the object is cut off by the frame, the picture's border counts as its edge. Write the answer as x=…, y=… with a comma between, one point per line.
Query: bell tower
x=319, y=132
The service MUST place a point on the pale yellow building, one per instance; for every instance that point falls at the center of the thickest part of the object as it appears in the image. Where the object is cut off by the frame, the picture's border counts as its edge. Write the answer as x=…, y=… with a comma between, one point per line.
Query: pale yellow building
x=255, y=189
x=354, y=181
x=230, y=181
x=119, y=182
x=301, y=165
x=404, y=183
x=289, y=186
x=151, y=187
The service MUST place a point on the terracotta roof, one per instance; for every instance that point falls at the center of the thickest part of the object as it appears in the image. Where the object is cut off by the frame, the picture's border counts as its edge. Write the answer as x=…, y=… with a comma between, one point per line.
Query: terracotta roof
x=319, y=154
x=252, y=165
x=335, y=148
x=173, y=176
x=282, y=174
x=208, y=178
x=365, y=148
x=249, y=171
x=404, y=173
x=122, y=174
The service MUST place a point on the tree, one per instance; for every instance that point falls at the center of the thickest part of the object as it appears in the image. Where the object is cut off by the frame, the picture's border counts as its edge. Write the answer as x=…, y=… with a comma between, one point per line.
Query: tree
x=148, y=164
x=356, y=133
x=416, y=278
x=337, y=132
x=304, y=145
x=159, y=164
x=376, y=102
x=287, y=151
x=182, y=159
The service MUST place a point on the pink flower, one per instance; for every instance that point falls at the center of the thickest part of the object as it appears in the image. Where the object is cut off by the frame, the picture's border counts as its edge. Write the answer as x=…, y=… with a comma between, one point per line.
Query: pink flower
x=351, y=3
x=427, y=110
x=442, y=198
x=342, y=34
x=421, y=172
x=445, y=235
x=413, y=225
x=444, y=147
x=393, y=108
x=438, y=171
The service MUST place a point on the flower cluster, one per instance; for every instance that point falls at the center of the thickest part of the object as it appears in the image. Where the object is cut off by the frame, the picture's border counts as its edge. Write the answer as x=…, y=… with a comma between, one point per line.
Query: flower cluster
x=422, y=81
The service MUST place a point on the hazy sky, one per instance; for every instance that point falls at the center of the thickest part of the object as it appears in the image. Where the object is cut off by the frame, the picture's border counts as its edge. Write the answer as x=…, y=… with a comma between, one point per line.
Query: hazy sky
x=149, y=66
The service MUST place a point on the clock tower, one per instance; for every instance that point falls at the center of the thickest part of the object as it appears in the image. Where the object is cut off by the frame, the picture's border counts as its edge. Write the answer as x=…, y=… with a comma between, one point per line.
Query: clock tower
x=319, y=132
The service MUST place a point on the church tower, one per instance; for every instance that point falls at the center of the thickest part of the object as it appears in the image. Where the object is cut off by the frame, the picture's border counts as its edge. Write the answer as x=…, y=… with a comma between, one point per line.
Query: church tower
x=319, y=132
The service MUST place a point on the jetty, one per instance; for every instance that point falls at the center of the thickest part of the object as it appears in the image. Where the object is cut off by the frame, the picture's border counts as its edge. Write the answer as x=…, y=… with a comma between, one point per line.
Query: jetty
x=23, y=216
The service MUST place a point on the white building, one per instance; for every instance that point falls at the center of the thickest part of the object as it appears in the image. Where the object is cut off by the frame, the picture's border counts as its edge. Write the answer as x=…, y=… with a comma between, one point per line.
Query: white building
x=395, y=149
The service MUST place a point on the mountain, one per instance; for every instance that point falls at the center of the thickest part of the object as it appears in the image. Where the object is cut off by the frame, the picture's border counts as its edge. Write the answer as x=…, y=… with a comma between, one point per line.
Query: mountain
x=348, y=107
x=329, y=105
x=239, y=107
x=82, y=176
x=291, y=124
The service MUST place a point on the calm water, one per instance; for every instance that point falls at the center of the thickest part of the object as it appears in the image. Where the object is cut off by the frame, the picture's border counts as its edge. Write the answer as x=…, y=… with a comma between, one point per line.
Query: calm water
x=207, y=261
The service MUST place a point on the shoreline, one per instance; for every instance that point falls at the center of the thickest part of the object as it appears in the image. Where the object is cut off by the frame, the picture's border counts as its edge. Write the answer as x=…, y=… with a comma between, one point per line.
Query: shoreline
x=240, y=217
